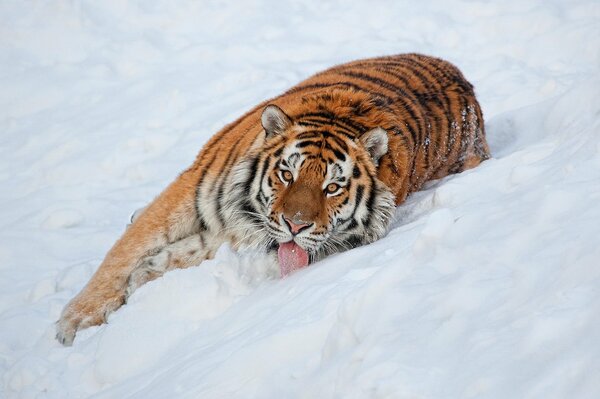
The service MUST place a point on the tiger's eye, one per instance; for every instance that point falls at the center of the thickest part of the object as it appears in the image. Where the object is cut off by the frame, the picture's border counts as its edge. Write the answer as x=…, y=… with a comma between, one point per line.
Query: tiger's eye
x=287, y=176
x=332, y=188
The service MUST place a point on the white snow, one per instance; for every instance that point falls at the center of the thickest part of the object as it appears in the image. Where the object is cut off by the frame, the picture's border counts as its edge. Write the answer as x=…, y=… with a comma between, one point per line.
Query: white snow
x=488, y=285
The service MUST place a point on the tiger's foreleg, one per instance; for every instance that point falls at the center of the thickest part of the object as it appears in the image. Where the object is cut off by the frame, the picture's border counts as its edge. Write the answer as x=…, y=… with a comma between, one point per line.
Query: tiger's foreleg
x=171, y=217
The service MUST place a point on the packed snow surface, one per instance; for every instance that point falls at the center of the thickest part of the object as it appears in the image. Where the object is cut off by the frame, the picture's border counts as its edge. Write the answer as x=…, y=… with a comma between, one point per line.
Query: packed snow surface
x=487, y=285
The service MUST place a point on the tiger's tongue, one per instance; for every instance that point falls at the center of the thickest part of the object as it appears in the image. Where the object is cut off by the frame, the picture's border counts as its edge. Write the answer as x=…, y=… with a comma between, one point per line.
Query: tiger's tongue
x=291, y=257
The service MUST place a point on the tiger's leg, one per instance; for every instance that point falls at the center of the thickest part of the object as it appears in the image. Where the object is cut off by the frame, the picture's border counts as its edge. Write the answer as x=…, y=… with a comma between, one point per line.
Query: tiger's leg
x=169, y=218
x=190, y=251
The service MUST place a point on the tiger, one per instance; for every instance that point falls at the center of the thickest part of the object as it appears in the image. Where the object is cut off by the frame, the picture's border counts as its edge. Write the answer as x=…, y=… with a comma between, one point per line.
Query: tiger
x=317, y=170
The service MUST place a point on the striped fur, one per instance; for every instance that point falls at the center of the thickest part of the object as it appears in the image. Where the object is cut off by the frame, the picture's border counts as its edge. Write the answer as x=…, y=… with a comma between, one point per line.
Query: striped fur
x=334, y=154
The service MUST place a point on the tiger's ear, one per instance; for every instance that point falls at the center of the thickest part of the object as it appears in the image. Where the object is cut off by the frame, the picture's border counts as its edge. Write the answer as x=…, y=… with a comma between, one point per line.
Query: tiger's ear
x=274, y=120
x=376, y=142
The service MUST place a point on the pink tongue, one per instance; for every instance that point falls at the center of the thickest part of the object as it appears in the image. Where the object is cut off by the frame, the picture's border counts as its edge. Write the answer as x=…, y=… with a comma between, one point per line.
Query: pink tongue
x=291, y=257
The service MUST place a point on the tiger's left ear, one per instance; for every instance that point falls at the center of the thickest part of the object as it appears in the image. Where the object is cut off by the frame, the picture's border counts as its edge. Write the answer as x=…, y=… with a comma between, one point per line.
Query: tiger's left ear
x=376, y=142
x=274, y=120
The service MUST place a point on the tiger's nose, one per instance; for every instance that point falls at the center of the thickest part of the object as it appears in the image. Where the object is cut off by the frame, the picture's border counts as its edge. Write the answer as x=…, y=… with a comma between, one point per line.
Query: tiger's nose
x=296, y=228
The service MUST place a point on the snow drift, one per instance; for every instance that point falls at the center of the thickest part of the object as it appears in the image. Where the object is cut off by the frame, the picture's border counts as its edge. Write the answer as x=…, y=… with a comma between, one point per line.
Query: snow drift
x=486, y=286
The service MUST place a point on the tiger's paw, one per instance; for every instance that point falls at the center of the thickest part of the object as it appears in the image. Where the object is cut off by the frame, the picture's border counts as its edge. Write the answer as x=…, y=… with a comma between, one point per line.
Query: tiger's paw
x=66, y=328
x=81, y=313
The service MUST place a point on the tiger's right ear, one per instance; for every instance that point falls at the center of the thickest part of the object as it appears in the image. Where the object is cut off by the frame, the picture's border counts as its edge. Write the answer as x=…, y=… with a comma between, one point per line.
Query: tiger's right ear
x=274, y=120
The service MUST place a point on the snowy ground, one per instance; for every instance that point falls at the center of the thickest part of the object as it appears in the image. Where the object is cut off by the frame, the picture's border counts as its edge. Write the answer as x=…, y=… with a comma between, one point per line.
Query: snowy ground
x=487, y=286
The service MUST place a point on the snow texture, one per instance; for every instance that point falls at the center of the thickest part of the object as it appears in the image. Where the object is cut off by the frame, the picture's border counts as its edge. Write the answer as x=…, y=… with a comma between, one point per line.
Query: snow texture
x=488, y=284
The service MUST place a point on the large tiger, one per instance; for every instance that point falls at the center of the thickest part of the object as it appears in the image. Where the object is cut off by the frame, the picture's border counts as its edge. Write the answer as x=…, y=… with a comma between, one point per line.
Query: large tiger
x=316, y=170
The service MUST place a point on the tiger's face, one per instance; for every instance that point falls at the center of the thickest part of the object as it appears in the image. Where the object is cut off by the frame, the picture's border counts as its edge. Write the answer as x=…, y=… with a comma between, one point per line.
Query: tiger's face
x=319, y=188
x=313, y=191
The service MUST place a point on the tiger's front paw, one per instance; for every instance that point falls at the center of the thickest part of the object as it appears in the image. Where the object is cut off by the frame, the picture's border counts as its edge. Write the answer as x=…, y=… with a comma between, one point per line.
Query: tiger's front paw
x=84, y=311
x=67, y=326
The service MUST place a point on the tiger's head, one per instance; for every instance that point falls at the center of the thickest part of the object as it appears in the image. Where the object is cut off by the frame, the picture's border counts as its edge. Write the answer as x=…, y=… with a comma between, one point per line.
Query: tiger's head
x=313, y=188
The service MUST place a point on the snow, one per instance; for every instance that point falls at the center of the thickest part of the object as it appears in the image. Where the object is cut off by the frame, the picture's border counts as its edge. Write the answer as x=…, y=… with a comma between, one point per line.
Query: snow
x=487, y=285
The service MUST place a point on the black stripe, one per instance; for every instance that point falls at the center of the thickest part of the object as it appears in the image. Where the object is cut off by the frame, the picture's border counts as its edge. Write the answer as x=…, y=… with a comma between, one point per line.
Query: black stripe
x=293, y=159
x=353, y=224
x=252, y=170
x=264, y=165
x=278, y=151
x=308, y=123
x=378, y=81
x=354, y=241
x=341, y=143
x=272, y=246
x=331, y=118
x=359, y=195
x=250, y=211
x=338, y=127
x=223, y=175
x=312, y=134
x=202, y=222
x=370, y=202
x=340, y=155
x=323, y=134
x=307, y=143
